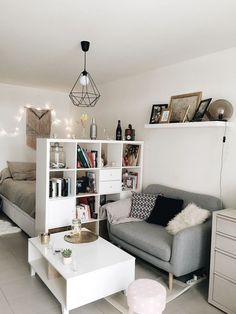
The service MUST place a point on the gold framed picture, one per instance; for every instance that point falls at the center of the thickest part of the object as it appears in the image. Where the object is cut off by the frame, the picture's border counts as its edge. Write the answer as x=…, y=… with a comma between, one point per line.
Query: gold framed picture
x=182, y=104
x=165, y=116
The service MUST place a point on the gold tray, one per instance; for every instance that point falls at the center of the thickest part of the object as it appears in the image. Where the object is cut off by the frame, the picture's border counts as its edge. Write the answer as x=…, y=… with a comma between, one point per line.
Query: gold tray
x=84, y=236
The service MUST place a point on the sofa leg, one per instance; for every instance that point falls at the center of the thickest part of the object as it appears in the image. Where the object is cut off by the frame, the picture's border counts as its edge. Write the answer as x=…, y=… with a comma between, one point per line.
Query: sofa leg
x=171, y=281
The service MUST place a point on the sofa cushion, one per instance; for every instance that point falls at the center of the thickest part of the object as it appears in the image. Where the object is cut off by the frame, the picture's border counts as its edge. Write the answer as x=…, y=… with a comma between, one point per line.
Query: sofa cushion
x=192, y=215
x=142, y=205
x=164, y=210
x=152, y=239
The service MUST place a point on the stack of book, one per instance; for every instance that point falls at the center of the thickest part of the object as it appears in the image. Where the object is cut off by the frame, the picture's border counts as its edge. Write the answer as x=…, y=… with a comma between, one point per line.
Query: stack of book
x=86, y=159
x=59, y=187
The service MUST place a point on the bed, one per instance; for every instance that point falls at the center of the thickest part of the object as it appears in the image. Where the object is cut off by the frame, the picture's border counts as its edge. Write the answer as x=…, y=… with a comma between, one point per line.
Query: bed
x=17, y=190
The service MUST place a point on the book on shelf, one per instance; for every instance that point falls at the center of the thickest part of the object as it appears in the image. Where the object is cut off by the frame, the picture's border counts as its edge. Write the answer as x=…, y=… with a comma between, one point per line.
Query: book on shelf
x=83, y=212
x=86, y=159
x=90, y=201
x=59, y=187
x=131, y=155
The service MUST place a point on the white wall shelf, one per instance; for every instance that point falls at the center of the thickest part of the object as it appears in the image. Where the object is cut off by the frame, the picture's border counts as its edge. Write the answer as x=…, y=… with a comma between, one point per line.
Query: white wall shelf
x=204, y=124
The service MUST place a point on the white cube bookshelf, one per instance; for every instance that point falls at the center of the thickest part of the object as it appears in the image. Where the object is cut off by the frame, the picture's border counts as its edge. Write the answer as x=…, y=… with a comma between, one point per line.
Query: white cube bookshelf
x=57, y=212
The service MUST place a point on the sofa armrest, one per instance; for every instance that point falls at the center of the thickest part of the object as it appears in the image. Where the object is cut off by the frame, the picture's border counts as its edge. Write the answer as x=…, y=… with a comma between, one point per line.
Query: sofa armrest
x=191, y=249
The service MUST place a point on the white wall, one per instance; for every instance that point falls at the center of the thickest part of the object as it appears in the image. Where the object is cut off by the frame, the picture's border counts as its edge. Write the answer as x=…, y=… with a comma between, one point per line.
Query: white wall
x=12, y=101
x=184, y=158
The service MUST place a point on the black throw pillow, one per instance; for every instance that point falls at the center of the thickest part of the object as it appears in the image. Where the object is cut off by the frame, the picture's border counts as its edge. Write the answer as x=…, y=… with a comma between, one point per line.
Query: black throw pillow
x=164, y=210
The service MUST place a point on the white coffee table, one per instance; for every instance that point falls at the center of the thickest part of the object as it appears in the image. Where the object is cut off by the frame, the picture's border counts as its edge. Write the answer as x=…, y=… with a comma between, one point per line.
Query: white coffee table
x=98, y=270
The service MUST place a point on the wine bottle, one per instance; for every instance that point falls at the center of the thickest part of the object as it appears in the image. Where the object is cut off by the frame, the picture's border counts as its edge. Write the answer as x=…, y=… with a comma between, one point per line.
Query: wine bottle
x=118, y=132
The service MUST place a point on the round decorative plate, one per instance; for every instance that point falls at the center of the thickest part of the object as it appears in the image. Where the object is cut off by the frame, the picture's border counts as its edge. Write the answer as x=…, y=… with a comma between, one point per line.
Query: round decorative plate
x=84, y=236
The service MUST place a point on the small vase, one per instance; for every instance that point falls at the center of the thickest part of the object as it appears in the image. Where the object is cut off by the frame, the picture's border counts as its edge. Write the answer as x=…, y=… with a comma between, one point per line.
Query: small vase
x=66, y=260
x=83, y=133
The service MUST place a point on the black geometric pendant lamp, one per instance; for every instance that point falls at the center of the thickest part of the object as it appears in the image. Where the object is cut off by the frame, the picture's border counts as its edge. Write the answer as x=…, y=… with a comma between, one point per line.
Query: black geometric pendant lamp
x=84, y=93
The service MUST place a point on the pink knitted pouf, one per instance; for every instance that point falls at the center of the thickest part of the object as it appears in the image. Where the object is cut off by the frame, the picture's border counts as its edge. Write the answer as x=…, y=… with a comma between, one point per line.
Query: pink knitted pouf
x=146, y=296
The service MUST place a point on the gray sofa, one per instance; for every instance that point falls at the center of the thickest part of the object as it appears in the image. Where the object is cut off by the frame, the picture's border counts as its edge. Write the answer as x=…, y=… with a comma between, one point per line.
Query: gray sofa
x=185, y=252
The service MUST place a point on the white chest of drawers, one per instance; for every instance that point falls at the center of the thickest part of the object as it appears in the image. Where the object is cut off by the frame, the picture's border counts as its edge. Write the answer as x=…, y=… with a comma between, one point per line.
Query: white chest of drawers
x=222, y=288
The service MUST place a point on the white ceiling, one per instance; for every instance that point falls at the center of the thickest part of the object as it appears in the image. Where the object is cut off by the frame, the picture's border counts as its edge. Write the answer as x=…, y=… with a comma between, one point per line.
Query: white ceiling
x=40, y=39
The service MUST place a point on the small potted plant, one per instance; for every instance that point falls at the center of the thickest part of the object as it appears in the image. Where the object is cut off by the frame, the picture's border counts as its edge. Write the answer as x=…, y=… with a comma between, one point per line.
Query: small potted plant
x=66, y=256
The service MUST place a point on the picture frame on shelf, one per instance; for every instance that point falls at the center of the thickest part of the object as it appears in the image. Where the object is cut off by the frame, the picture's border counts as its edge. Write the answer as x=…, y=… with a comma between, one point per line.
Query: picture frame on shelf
x=130, y=182
x=201, y=110
x=156, y=113
x=165, y=116
x=179, y=104
x=131, y=155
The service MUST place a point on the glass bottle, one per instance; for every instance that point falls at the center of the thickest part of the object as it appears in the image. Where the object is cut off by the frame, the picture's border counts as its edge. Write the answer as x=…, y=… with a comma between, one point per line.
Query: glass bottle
x=118, y=132
x=93, y=130
x=128, y=133
x=76, y=226
x=57, y=156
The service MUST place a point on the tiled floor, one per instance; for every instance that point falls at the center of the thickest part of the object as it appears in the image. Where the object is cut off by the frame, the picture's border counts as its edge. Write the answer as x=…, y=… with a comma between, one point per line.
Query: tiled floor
x=21, y=294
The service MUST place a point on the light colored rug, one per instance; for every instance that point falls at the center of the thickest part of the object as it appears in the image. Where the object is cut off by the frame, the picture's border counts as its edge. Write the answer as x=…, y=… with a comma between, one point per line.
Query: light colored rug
x=7, y=228
x=144, y=270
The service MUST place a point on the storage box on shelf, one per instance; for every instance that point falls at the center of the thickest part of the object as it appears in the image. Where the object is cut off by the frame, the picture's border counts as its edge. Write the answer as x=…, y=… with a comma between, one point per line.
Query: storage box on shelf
x=91, y=168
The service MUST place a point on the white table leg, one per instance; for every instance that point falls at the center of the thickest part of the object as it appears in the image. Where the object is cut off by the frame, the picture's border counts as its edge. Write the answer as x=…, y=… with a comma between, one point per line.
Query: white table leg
x=64, y=310
x=32, y=272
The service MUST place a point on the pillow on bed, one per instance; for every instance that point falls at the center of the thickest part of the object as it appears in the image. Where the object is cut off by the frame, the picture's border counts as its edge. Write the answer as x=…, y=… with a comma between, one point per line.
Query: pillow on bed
x=5, y=174
x=22, y=170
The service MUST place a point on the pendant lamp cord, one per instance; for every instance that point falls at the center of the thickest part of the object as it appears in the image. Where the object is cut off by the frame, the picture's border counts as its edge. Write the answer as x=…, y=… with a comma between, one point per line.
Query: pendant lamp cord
x=84, y=61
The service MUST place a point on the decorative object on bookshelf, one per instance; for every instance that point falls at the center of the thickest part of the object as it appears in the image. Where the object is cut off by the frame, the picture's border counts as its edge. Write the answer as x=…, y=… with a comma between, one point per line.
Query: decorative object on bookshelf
x=180, y=103
x=156, y=113
x=57, y=156
x=130, y=155
x=84, y=93
x=93, y=130
x=129, y=181
x=119, y=132
x=221, y=110
x=201, y=110
x=83, y=121
x=128, y=133
x=165, y=116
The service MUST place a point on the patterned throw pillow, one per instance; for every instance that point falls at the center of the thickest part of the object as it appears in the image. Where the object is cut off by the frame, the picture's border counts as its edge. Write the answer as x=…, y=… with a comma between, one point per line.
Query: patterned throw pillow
x=142, y=205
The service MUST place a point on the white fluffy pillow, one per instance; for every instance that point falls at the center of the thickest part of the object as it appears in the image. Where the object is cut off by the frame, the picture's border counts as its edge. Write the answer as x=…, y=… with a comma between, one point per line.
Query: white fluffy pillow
x=191, y=215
